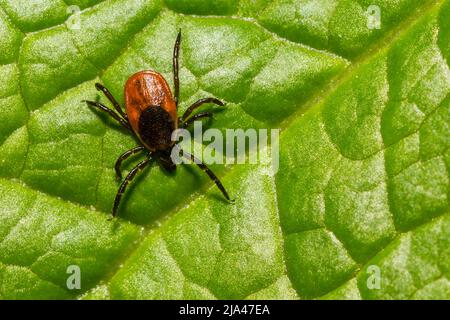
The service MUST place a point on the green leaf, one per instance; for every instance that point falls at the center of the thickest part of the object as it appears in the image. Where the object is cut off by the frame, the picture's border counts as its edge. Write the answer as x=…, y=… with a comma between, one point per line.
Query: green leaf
x=363, y=182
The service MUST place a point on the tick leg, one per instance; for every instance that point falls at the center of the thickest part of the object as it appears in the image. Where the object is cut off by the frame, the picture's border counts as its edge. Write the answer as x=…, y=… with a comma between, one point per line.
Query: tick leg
x=211, y=174
x=198, y=104
x=140, y=166
x=110, y=97
x=100, y=106
x=176, y=79
x=197, y=116
x=125, y=156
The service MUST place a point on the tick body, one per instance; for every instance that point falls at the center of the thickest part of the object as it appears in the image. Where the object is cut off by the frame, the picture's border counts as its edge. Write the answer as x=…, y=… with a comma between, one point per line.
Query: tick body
x=151, y=109
x=151, y=115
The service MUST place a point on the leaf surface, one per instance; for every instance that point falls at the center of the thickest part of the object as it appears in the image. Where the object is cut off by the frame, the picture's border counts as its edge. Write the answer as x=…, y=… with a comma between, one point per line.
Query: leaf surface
x=364, y=163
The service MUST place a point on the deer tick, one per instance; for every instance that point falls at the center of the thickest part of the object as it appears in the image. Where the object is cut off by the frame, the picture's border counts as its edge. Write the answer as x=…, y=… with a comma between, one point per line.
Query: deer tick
x=151, y=115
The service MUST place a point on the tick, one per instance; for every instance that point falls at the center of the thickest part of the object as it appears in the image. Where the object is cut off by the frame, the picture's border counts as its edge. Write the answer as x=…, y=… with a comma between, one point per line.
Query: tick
x=151, y=115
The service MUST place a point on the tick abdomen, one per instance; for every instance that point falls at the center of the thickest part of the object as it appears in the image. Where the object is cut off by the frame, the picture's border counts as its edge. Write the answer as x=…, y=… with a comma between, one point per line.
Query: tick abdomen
x=155, y=128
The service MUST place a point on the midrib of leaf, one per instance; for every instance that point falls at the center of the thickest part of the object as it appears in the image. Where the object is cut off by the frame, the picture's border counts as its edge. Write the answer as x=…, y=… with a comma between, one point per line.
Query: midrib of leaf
x=312, y=105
